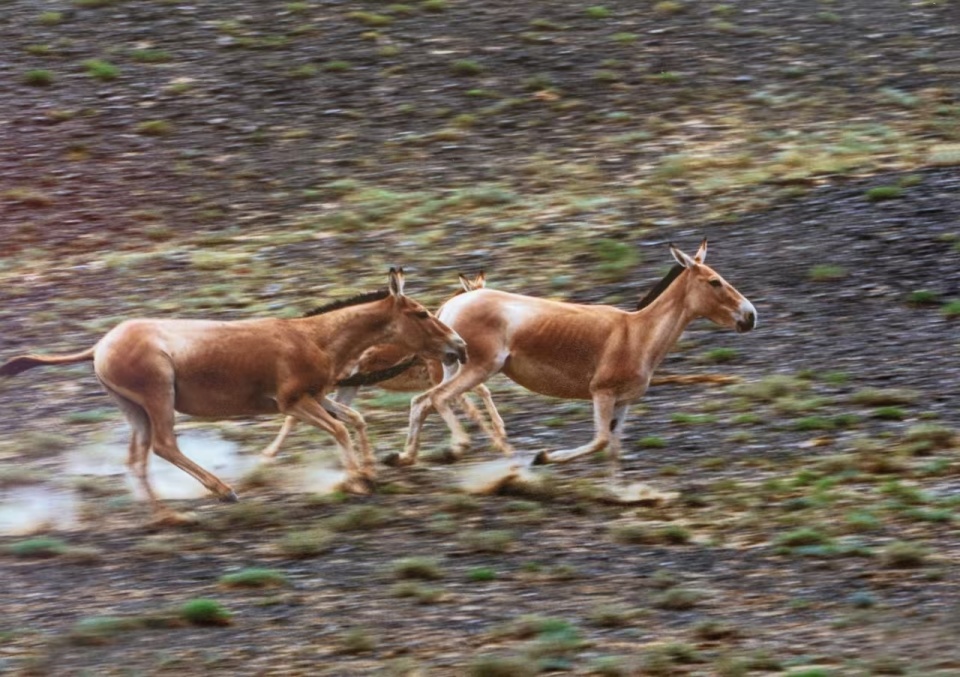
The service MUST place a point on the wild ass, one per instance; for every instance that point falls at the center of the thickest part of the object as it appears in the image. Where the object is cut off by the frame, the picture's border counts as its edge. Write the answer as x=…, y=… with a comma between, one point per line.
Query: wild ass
x=154, y=367
x=576, y=351
x=392, y=368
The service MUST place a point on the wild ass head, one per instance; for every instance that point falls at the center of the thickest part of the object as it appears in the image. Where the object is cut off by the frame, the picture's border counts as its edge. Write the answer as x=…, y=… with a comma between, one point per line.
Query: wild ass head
x=713, y=297
x=417, y=329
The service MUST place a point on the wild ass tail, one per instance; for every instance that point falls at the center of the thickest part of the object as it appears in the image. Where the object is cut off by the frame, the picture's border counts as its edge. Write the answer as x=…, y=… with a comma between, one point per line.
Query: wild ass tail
x=14, y=366
x=371, y=377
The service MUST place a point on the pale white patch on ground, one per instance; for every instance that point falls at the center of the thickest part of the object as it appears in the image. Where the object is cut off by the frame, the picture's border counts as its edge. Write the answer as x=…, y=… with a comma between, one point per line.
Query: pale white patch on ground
x=35, y=508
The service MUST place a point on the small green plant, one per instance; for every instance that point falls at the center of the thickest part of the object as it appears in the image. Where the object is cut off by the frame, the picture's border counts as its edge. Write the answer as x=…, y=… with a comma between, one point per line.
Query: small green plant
x=827, y=272
x=617, y=259
x=923, y=297
x=154, y=128
x=50, y=18
x=254, y=577
x=90, y=416
x=423, y=568
x=633, y=534
x=490, y=540
x=466, y=67
x=435, y=5
x=336, y=66
x=875, y=397
x=770, y=388
x=597, y=12
x=358, y=518
x=889, y=413
x=423, y=594
x=713, y=630
x=482, y=574
x=651, y=442
x=678, y=599
x=804, y=536
x=38, y=77
x=371, y=19
x=720, y=355
x=611, y=615
x=39, y=547
x=951, y=309
x=306, y=543
x=669, y=7
x=878, y=193
x=100, y=630
x=693, y=419
x=935, y=435
x=204, y=612
x=101, y=70
x=150, y=56
x=357, y=640
x=904, y=555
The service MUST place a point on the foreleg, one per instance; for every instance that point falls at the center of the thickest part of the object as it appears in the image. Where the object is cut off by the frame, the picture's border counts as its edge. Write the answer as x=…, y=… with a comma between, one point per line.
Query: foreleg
x=604, y=408
x=270, y=452
x=345, y=413
x=309, y=410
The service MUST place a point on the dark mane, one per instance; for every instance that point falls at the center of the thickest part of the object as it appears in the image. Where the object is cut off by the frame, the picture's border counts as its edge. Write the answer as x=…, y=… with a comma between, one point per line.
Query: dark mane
x=352, y=301
x=661, y=286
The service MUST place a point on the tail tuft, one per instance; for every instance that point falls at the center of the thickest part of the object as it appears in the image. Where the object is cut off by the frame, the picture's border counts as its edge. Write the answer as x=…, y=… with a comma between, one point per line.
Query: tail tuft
x=14, y=366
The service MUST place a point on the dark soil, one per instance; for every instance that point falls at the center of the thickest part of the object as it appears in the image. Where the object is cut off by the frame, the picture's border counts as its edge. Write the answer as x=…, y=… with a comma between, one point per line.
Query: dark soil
x=261, y=158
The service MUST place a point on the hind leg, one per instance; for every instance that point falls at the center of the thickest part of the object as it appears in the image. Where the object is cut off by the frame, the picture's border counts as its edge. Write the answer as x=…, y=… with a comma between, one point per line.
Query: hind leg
x=439, y=399
x=270, y=452
x=499, y=432
x=310, y=411
x=139, y=456
x=163, y=440
x=343, y=412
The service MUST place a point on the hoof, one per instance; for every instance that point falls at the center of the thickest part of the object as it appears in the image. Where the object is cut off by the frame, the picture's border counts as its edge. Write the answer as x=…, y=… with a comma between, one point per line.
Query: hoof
x=395, y=460
x=357, y=485
x=540, y=459
x=230, y=497
x=392, y=459
x=449, y=456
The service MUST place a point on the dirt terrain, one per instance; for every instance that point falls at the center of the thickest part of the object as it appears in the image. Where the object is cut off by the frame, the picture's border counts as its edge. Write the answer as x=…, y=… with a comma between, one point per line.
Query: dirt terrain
x=236, y=159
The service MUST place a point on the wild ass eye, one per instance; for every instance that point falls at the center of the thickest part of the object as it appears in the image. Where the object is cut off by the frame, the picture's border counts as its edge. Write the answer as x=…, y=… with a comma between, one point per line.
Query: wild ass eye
x=422, y=314
x=716, y=283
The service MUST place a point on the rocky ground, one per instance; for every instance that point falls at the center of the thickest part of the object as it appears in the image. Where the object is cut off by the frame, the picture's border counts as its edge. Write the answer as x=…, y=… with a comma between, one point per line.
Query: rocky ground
x=234, y=159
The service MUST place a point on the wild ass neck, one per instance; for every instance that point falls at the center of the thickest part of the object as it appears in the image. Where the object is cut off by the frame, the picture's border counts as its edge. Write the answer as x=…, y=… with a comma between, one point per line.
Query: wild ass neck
x=661, y=323
x=345, y=334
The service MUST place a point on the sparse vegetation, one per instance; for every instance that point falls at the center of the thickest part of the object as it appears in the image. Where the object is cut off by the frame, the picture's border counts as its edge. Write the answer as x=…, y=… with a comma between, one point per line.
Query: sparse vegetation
x=205, y=612
x=562, y=154
x=101, y=70
x=423, y=568
x=255, y=577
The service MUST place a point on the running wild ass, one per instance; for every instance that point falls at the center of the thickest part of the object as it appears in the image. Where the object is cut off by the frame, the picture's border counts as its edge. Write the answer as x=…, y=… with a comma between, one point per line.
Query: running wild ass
x=154, y=367
x=391, y=367
x=574, y=351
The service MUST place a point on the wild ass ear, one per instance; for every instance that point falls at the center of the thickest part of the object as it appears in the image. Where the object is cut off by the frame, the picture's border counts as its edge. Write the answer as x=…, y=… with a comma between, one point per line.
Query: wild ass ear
x=701, y=254
x=396, y=281
x=479, y=282
x=682, y=258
